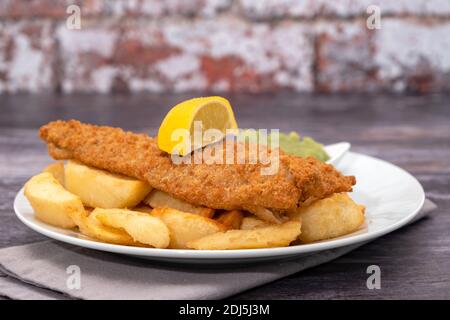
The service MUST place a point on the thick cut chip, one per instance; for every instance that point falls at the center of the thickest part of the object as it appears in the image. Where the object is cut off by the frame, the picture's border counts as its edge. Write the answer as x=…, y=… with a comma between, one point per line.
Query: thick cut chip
x=57, y=170
x=329, y=218
x=185, y=226
x=102, y=189
x=274, y=236
x=142, y=227
x=265, y=214
x=231, y=219
x=143, y=208
x=250, y=223
x=161, y=199
x=51, y=203
x=90, y=226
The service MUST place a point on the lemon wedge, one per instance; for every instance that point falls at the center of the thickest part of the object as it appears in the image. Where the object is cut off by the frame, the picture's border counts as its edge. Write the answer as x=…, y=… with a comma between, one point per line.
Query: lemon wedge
x=189, y=116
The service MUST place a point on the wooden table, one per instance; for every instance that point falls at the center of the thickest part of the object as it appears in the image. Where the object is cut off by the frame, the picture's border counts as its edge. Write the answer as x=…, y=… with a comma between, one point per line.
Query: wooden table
x=410, y=131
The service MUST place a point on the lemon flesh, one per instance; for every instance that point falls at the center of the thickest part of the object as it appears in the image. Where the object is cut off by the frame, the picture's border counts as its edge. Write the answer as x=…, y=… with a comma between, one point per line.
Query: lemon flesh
x=194, y=117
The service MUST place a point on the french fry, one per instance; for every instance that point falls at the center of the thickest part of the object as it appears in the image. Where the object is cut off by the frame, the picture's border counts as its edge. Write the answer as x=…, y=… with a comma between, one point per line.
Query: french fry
x=280, y=235
x=143, y=208
x=329, y=218
x=90, y=226
x=267, y=215
x=57, y=170
x=51, y=203
x=167, y=222
x=250, y=223
x=231, y=219
x=185, y=226
x=142, y=227
x=102, y=189
x=161, y=199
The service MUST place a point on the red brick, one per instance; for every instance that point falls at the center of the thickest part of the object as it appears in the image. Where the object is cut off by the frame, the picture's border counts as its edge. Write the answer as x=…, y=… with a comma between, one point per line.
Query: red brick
x=413, y=55
x=244, y=57
x=118, y=8
x=186, y=55
x=232, y=74
x=135, y=53
x=404, y=55
x=35, y=8
x=86, y=57
x=154, y=8
x=344, y=58
x=269, y=9
x=27, y=55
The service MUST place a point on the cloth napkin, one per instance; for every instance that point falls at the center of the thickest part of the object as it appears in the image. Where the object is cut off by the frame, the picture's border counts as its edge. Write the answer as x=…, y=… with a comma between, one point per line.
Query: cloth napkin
x=42, y=271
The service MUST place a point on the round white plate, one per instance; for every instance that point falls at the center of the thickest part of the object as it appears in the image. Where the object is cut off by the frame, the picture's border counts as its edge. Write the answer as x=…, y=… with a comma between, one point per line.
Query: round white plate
x=337, y=151
x=391, y=195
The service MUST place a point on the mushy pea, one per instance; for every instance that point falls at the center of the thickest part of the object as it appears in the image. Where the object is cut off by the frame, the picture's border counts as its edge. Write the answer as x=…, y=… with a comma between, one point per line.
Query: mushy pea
x=292, y=143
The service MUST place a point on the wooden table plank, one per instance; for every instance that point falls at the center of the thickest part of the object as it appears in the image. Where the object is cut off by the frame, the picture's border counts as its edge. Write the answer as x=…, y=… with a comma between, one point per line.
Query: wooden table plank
x=410, y=131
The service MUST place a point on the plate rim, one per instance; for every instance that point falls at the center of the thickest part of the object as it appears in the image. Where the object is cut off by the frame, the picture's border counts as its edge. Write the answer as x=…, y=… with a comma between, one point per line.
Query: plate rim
x=176, y=254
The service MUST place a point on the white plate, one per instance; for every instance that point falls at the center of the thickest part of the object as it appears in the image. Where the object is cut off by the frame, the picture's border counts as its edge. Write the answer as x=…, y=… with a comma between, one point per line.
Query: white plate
x=391, y=195
x=337, y=151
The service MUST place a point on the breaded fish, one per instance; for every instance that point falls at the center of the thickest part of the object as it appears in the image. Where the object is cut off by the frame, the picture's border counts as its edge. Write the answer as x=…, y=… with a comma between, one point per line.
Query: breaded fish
x=218, y=186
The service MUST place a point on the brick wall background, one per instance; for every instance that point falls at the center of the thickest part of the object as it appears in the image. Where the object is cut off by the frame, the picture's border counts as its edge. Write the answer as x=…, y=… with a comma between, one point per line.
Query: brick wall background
x=224, y=45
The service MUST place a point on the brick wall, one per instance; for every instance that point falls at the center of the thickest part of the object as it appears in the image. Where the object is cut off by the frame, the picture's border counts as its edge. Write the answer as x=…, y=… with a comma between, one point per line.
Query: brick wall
x=224, y=45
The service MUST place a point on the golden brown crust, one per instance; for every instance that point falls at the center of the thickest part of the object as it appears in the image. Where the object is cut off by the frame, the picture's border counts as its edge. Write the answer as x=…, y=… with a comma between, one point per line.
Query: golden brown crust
x=219, y=186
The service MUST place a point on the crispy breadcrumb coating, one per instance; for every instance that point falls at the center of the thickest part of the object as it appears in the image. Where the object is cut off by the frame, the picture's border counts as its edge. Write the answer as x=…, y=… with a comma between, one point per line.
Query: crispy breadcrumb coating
x=219, y=186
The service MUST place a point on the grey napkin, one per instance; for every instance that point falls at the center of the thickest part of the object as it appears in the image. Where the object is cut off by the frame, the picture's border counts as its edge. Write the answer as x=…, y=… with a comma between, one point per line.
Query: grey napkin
x=40, y=271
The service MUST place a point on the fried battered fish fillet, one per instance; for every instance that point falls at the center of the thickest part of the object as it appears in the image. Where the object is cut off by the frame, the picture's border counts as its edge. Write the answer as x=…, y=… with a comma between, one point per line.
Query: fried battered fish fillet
x=218, y=186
